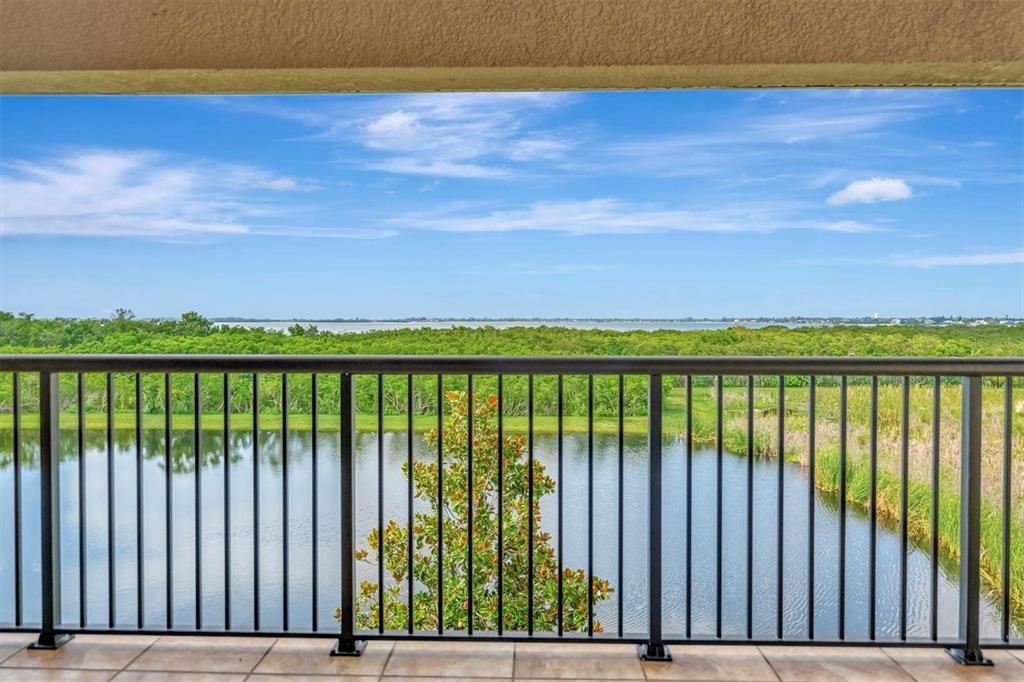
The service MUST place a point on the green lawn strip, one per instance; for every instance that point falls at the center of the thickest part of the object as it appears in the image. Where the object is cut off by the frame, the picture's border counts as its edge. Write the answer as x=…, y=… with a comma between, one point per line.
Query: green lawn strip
x=542, y=424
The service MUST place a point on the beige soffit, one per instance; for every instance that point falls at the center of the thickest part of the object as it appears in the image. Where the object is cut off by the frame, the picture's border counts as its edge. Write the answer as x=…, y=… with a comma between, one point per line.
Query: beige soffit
x=124, y=46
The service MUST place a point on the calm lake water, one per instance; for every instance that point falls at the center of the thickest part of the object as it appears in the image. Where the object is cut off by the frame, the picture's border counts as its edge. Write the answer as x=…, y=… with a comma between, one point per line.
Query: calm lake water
x=575, y=541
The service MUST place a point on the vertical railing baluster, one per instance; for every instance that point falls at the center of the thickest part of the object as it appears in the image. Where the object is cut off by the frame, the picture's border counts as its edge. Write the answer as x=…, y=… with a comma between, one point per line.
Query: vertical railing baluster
x=654, y=649
x=873, y=506
x=780, y=510
x=469, y=505
x=197, y=495
x=83, y=600
x=440, y=504
x=904, y=480
x=561, y=505
x=811, y=447
x=111, y=541
x=49, y=503
x=314, y=596
x=689, y=506
x=936, y=423
x=16, y=424
x=140, y=571
x=529, y=507
x=719, y=459
x=841, y=599
x=347, y=644
x=620, y=585
x=750, y=507
x=285, y=517
x=410, y=491
x=590, y=505
x=168, y=503
x=256, y=523
x=501, y=505
x=1007, y=502
x=380, y=503
x=226, y=454
x=969, y=653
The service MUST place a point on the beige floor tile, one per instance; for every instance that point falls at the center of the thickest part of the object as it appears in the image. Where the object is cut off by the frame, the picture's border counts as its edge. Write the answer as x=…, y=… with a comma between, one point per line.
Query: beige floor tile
x=156, y=676
x=85, y=652
x=203, y=654
x=11, y=643
x=446, y=679
x=935, y=665
x=822, y=664
x=32, y=674
x=577, y=661
x=301, y=656
x=313, y=678
x=711, y=662
x=1019, y=653
x=451, y=659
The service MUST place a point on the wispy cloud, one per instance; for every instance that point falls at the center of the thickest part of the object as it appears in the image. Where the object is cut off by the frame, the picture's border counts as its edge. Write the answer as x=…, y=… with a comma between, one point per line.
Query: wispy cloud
x=871, y=191
x=813, y=133
x=452, y=135
x=562, y=268
x=438, y=169
x=613, y=216
x=144, y=193
x=961, y=259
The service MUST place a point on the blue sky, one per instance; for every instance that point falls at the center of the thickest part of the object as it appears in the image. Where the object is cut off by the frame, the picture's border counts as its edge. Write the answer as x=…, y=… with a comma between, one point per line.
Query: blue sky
x=652, y=204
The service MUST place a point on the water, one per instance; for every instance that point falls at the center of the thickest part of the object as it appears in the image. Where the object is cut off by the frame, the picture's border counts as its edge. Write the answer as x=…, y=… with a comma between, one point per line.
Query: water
x=575, y=542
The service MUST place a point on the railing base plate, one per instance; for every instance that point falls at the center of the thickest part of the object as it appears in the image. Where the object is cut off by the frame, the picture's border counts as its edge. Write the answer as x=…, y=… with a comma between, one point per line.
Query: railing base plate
x=51, y=642
x=968, y=657
x=653, y=651
x=350, y=648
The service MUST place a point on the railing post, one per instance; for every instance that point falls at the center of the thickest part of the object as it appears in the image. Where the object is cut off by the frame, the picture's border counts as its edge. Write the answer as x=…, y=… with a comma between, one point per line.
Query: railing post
x=49, y=499
x=347, y=644
x=970, y=526
x=654, y=649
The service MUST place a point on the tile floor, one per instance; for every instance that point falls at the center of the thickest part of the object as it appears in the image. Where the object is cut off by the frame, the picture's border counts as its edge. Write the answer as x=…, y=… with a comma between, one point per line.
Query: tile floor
x=226, y=659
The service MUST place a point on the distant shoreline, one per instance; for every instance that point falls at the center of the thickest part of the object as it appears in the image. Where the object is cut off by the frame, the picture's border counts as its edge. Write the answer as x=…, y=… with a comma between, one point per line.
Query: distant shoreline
x=563, y=321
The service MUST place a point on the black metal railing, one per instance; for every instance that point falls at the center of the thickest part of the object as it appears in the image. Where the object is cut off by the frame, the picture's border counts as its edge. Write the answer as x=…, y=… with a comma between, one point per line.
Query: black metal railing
x=56, y=623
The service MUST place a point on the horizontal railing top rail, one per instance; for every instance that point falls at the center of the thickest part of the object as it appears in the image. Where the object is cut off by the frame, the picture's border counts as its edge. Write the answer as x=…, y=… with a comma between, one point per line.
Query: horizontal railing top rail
x=475, y=364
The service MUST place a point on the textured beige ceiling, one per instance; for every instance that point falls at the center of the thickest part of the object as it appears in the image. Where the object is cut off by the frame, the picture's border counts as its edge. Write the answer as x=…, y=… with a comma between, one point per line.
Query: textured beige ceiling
x=389, y=45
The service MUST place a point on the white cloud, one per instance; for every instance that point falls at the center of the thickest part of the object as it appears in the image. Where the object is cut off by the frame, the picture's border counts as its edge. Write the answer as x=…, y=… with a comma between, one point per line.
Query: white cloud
x=850, y=227
x=445, y=169
x=871, y=191
x=962, y=259
x=528, y=149
x=458, y=135
x=130, y=193
x=612, y=216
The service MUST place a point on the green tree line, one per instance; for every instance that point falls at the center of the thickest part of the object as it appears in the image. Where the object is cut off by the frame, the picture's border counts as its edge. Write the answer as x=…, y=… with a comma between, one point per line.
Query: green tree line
x=193, y=333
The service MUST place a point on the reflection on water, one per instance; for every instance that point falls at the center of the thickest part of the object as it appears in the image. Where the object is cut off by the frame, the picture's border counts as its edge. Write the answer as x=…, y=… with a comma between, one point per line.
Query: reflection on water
x=574, y=487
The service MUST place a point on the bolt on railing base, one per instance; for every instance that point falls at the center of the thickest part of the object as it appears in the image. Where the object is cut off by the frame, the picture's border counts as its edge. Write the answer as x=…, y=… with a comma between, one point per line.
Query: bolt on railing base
x=50, y=641
x=349, y=647
x=968, y=656
x=653, y=651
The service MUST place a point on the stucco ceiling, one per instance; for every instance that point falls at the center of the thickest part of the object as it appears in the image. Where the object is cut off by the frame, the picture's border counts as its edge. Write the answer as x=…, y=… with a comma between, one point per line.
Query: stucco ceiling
x=391, y=45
